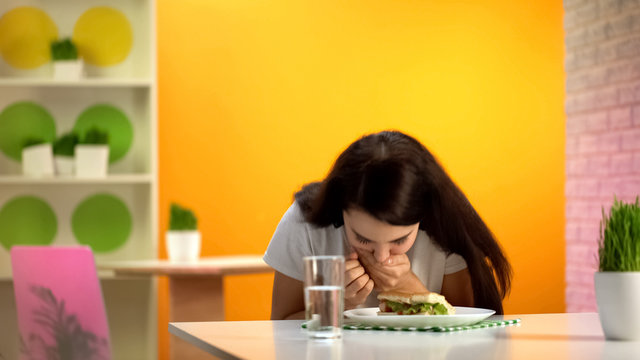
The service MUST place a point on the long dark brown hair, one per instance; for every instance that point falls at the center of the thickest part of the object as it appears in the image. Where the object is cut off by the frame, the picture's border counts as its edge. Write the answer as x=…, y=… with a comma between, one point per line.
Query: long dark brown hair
x=393, y=177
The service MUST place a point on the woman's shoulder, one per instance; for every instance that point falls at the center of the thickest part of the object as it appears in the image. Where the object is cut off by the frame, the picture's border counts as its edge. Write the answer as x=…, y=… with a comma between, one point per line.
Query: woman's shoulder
x=425, y=247
x=293, y=227
x=292, y=221
x=427, y=241
x=294, y=214
x=294, y=217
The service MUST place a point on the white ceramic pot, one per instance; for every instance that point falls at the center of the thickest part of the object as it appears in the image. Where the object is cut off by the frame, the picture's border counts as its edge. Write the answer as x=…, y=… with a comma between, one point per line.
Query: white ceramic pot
x=37, y=160
x=64, y=165
x=183, y=246
x=68, y=69
x=618, y=298
x=91, y=161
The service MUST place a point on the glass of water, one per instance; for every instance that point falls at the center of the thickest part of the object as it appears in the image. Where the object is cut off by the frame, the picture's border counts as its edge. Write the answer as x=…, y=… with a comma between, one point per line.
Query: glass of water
x=324, y=295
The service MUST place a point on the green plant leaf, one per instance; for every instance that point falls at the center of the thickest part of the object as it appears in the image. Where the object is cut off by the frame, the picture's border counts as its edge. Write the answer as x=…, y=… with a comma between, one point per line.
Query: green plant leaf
x=63, y=49
x=95, y=136
x=33, y=141
x=182, y=219
x=619, y=242
x=65, y=144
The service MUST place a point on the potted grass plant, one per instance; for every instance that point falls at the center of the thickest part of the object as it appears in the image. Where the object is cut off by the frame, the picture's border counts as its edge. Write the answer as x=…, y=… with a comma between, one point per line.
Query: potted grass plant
x=183, y=239
x=37, y=158
x=66, y=64
x=63, y=152
x=92, y=154
x=617, y=283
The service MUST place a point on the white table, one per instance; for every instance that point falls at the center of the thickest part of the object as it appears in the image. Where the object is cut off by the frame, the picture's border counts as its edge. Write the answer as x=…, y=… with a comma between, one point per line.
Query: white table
x=195, y=288
x=539, y=336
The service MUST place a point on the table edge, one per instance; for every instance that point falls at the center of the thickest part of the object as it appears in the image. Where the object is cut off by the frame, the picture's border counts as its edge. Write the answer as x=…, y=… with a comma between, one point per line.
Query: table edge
x=201, y=344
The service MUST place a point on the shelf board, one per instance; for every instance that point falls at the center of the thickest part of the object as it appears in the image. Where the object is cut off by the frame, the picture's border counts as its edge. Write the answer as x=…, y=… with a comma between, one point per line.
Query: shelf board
x=89, y=82
x=110, y=179
x=102, y=275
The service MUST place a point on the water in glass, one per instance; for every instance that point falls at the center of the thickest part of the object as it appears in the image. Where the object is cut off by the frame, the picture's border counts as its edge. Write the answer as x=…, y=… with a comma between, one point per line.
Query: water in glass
x=324, y=306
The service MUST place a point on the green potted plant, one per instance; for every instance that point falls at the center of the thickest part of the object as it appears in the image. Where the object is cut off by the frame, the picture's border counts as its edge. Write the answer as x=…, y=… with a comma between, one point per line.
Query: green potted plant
x=183, y=239
x=617, y=283
x=92, y=154
x=63, y=152
x=66, y=64
x=37, y=157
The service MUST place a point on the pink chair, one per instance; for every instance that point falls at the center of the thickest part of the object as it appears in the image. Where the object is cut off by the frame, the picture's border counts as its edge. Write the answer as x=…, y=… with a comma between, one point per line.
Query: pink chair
x=61, y=312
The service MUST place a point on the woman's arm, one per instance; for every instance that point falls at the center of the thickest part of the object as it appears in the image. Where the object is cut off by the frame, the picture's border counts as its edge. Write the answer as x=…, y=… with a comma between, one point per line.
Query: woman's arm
x=287, y=300
x=457, y=289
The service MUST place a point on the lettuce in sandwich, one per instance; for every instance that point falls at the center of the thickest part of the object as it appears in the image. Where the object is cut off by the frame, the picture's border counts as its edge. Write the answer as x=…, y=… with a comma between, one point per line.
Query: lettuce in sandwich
x=401, y=303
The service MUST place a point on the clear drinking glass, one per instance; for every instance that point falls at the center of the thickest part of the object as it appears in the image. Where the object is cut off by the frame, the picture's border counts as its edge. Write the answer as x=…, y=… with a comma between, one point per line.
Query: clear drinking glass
x=324, y=295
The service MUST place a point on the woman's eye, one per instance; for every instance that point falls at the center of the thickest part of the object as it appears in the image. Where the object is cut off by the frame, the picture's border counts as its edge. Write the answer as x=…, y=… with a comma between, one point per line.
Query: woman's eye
x=399, y=242
x=363, y=241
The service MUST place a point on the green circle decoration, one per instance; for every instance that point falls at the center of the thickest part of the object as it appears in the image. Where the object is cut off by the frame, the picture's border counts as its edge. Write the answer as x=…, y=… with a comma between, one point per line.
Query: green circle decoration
x=21, y=121
x=112, y=120
x=27, y=220
x=101, y=221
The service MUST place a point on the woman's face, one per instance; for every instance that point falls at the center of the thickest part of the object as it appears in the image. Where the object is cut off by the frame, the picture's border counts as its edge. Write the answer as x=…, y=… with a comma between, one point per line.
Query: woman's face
x=366, y=233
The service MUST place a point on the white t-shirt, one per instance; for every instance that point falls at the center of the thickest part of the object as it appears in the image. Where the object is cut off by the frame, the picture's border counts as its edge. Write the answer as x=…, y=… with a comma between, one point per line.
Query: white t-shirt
x=295, y=238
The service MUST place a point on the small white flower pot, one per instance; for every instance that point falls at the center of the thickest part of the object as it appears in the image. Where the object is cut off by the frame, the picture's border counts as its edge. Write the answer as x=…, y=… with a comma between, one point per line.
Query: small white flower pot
x=183, y=246
x=37, y=160
x=618, y=298
x=91, y=161
x=68, y=69
x=64, y=165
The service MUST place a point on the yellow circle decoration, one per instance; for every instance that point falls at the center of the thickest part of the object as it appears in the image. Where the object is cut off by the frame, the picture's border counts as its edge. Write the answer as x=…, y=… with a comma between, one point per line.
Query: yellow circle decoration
x=103, y=36
x=26, y=33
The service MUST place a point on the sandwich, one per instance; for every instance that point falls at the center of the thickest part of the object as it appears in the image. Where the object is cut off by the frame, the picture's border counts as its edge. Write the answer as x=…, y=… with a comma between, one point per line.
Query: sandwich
x=400, y=303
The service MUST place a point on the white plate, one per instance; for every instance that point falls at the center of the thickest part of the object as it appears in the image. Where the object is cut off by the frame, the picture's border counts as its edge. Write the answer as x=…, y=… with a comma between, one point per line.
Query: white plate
x=463, y=316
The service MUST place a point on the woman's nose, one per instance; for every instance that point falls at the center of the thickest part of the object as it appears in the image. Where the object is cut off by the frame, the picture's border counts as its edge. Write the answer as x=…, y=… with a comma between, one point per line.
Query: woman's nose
x=381, y=254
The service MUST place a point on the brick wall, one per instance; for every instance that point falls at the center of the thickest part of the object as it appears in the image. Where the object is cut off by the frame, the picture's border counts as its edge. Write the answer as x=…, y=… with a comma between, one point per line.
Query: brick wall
x=602, y=40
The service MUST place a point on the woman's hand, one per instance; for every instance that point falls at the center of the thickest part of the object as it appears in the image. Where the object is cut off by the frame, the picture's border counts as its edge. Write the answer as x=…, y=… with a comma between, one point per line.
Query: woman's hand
x=358, y=284
x=392, y=274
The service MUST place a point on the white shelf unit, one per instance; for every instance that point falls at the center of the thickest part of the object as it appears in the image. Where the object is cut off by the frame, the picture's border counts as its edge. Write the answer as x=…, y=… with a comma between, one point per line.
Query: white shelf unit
x=110, y=179
x=63, y=199
x=139, y=65
x=98, y=83
x=131, y=86
x=66, y=103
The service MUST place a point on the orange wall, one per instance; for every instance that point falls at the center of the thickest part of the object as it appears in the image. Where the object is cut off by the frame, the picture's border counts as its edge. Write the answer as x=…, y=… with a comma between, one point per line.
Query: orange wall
x=258, y=97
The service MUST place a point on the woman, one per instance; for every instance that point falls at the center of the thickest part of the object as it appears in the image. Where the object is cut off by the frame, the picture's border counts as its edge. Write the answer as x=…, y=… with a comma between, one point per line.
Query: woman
x=401, y=223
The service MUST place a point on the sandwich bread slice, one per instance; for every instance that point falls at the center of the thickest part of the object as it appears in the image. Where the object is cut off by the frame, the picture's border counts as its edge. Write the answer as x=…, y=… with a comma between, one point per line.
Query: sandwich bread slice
x=400, y=303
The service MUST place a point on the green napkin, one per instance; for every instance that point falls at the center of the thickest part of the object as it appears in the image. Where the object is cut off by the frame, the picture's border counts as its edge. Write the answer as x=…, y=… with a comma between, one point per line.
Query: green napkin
x=479, y=325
